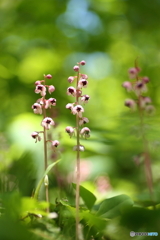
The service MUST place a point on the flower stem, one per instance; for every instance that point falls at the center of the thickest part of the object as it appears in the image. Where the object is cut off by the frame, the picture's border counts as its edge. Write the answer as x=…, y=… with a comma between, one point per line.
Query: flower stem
x=78, y=166
x=147, y=158
x=45, y=155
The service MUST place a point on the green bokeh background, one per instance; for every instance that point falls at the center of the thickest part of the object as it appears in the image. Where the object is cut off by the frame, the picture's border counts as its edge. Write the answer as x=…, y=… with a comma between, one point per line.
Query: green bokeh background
x=40, y=37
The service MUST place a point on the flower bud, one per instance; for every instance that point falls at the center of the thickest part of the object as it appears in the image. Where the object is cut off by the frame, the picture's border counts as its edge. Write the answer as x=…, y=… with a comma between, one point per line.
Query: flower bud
x=48, y=76
x=76, y=68
x=46, y=181
x=80, y=148
x=82, y=62
x=51, y=89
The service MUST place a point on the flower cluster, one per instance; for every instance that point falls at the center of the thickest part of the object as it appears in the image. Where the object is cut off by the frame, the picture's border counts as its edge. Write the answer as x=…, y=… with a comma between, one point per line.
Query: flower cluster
x=76, y=107
x=138, y=86
x=40, y=106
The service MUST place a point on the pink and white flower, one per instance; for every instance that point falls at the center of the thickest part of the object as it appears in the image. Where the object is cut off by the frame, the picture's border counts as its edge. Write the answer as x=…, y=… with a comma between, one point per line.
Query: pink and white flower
x=71, y=91
x=127, y=85
x=83, y=120
x=50, y=102
x=70, y=131
x=37, y=108
x=40, y=89
x=85, y=98
x=47, y=122
x=51, y=89
x=82, y=83
x=55, y=144
x=85, y=132
x=130, y=103
x=36, y=136
x=78, y=109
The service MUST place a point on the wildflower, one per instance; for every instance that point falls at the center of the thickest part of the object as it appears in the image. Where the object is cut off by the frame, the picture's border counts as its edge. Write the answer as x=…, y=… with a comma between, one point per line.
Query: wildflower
x=82, y=83
x=37, y=108
x=41, y=89
x=83, y=121
x=50, y=102
x=36, y=136
x=145, y=79
x=84, y=76
x=38, y=82
x=78, y=109
x=51, y=89
x=85, y=132
x=130, y=103
x=70, y=79
x=127, y=85
x=69, y=106
x=71, y=91
x=55, y=144
x=140, y=87
x=76, y=68
x=143, y=101
x=80, y=148
x=133, y=72
x=85, y=98
x=47, y=122
x=70, y=131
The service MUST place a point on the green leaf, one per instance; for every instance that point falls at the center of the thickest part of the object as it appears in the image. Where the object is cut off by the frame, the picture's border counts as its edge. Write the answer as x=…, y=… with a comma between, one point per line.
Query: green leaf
x=42, y=179
x=94, y=221
x=114, y=206
x=88, y=197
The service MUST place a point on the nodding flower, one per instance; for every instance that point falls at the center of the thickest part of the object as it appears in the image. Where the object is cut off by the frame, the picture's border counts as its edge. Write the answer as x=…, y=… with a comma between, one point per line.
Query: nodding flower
x=50, y=102
x=133, y=72
x=51, y=89
x=78, y=109
x=85, y=132
x=127, y=85
x=85, y=98
x=40, y=89
x=82, y=83
x=37, y=108
x=71, y=91
x=55, y=144
x=81, y=148
x=130, y=103
x=70, y=131
x=140, y=87
x=71, y=79
x=70, y=106
x=47, y=122
x=83, y=120
x=36, y=136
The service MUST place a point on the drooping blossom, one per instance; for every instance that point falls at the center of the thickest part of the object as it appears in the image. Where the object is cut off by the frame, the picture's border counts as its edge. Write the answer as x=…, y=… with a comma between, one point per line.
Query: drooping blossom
x=37, y=108
x=47, y=122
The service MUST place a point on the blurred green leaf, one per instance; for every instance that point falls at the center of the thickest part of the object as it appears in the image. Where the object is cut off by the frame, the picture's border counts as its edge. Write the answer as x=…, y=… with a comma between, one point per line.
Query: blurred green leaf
x=42, y=179
x=114, y=206
x=88, y=197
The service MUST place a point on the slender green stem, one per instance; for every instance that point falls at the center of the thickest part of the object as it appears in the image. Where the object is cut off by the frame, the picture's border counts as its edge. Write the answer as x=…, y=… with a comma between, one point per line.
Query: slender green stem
x=146, y=154
x=45, y=154
x=78, y=166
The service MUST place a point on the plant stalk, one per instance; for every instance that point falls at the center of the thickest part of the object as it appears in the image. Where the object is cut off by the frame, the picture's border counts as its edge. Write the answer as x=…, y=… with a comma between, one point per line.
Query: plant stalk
x=78, y=166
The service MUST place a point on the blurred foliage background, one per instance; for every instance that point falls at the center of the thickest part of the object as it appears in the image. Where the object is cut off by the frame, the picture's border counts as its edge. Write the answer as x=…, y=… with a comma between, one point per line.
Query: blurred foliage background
x=40, y=37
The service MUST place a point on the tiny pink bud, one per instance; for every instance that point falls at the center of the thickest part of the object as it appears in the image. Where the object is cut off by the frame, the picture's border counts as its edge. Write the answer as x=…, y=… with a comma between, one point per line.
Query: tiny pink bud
x=36, y=136
x=38, y=82
x=145, y=79
x=55, y=144
x=51, y=89
x=133, y=72
x=76, y=68
x=48, y=76
x=70, y=79
x=70, y=131
x=127, y=85
x=82, y=62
